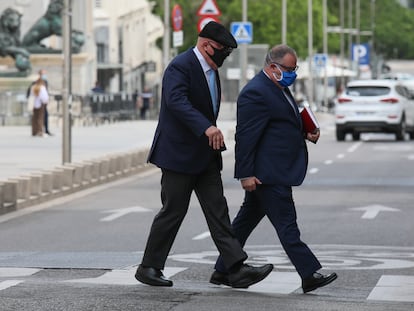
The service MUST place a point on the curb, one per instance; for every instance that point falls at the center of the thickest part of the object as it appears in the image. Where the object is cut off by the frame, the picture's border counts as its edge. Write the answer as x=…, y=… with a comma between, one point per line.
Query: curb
x=42, y=186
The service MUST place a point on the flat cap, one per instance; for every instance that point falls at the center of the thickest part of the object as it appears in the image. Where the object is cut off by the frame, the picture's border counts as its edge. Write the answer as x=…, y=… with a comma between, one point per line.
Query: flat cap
x=217, y=32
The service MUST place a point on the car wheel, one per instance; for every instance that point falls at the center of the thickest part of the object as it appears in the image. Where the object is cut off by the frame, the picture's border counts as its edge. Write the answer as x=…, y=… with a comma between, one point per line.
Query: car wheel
x=356, y=136
x=400, y=134
x=411, y=134
x=340, y=135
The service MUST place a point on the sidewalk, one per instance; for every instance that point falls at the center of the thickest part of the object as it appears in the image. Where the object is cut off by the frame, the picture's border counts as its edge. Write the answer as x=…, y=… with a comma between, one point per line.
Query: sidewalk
x=31, y=168
x=22, y=154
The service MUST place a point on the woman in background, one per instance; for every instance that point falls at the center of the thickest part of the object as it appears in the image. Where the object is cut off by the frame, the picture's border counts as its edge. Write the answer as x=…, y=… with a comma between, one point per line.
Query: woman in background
x=41, y=98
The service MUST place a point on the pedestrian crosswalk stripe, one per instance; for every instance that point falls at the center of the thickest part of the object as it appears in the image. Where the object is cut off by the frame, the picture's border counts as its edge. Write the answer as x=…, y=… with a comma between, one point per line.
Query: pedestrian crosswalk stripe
x=394, y=288
x=123, y=277
x=9, y=283
x=389, y=287
x=277, y=283
x=17, y=272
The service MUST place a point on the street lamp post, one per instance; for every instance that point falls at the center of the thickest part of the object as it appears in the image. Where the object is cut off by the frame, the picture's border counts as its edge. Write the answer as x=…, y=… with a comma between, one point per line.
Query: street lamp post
x=166, y=39
x=66, y=37
x=243, y=51
x=284, y=18
x=358, y=27
x=342, y=48
x=325, y=51
x=310, y=51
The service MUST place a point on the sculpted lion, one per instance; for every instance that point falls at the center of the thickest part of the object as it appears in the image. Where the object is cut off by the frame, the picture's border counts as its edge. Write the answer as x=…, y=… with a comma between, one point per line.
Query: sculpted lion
x=10, y=21
x=49, y=24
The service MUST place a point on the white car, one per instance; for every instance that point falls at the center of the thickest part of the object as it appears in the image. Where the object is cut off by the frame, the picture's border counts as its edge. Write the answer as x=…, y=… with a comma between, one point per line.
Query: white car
x=405, y=78
x=374, y=106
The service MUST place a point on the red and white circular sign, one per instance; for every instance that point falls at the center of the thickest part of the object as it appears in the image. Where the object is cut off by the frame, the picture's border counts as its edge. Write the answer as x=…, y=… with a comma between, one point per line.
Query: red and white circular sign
x=205, y=20
x=177, y=18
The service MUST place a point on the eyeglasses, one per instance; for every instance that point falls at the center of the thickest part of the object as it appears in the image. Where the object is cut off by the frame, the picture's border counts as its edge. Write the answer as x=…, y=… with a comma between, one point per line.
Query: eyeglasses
x=289, y=69
x=225, y=49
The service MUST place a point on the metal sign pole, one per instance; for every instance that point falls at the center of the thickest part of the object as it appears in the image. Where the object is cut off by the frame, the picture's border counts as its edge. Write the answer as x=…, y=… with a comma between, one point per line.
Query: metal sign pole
x=243, y=51
x=66, y=154
x=310, y=52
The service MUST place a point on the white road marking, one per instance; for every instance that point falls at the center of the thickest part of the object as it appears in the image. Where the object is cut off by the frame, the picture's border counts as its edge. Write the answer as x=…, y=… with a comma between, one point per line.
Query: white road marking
x=17, y=272
x=372, y=211
x=389, y=287
x=328, y=162
x=9, y=283
x=393, y=288
x=340, y=156
x=354, y=147
x=392, y=147
x=333, y=257
x=69, y=198
x=202, y=236
x=119, y=212
x=123, y=277
x=313, y=170
x=277, y=283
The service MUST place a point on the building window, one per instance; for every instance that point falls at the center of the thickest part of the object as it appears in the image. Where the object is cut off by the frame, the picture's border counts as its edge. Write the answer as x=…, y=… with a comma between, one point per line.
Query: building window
x=102, y=53
x=98, y=3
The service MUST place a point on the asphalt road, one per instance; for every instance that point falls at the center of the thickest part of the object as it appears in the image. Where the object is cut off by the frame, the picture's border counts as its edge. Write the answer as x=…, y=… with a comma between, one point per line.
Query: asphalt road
x=355, y=211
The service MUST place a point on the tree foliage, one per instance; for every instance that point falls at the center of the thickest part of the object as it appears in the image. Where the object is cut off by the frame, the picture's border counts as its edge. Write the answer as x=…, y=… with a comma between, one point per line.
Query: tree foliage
x=392, y=24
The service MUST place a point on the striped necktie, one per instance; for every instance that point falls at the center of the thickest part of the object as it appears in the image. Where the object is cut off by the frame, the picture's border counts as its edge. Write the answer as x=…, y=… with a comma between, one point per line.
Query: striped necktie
x=212, y=87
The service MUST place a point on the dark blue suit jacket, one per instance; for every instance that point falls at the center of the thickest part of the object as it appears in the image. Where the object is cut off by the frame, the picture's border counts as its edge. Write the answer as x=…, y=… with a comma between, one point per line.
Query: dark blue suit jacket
x=186, y=112
x=269, y=138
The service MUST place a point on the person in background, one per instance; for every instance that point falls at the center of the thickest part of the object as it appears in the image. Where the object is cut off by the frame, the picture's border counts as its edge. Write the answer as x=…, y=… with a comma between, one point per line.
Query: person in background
x=42, y=77
x=270, y=157
x=41, y=98
x=187, y=147
x=146, y=102
x=97, y=88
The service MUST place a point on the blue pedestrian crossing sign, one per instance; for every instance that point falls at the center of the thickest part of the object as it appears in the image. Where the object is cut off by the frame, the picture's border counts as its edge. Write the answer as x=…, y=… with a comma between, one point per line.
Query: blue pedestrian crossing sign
x=320, y=60
x=242, y=32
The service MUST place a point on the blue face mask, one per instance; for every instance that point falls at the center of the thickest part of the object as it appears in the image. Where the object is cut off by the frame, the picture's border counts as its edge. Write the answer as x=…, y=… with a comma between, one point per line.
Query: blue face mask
x=43, y=77
x=287, y=78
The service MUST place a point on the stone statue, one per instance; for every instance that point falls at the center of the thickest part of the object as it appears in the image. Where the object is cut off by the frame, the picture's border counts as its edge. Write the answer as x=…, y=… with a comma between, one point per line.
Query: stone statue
x=10, y=45
x=50, y=24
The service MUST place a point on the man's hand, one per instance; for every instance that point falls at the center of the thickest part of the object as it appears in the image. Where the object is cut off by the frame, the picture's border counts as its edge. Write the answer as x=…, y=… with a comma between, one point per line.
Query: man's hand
x=313, y=137
x=249, y=183
x=215, y=137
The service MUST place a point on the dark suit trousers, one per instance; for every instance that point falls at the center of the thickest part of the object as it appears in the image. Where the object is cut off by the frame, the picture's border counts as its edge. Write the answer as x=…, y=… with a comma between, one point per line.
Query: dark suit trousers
x=276, y=202
x=176, y=190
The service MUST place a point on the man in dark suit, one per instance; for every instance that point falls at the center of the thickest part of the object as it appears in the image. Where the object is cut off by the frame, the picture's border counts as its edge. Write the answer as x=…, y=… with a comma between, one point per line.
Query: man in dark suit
x=187, y=147
x=270, y=157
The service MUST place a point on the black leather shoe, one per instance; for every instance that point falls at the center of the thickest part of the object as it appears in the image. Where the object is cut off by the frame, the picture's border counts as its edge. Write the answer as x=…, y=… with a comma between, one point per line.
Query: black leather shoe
x=152, y=276
x=219, y=278
x=248, y=275
x=317, y=280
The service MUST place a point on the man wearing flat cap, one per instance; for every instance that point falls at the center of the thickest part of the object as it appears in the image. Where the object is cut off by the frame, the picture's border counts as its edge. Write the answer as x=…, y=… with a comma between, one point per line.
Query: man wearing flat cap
x=187, y=148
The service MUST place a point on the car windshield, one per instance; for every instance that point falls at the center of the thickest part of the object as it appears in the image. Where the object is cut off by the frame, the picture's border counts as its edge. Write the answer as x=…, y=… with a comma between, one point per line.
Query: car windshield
x=367, y=90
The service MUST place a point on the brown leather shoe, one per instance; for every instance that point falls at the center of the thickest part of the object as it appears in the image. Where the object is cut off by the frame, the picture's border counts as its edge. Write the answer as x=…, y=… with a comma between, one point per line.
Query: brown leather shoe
x=152, y=276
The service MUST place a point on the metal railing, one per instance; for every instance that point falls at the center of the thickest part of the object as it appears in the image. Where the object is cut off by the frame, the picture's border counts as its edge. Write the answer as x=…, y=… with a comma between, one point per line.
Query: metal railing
x=90, y=109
